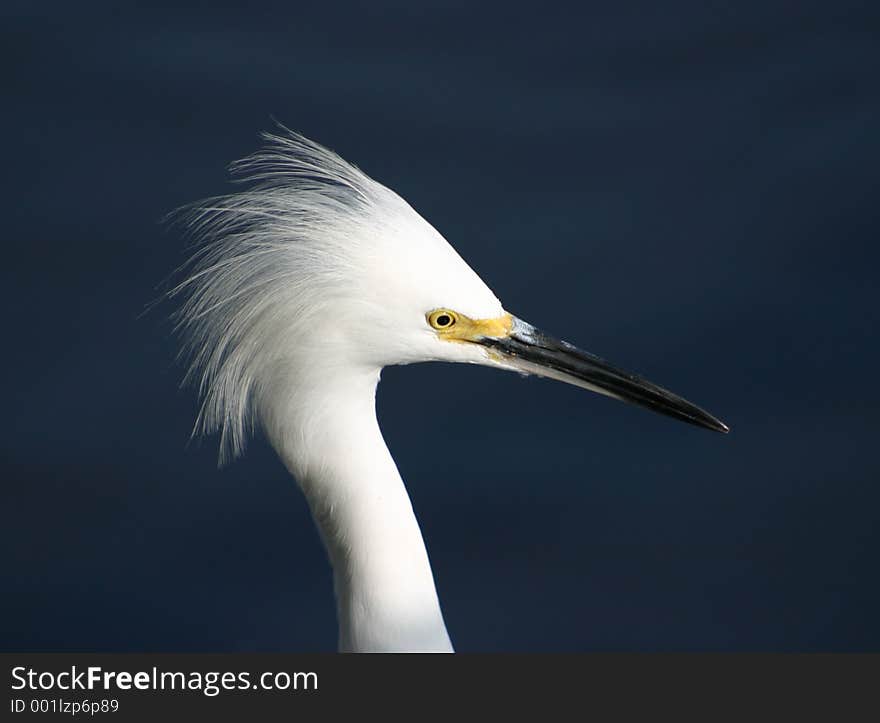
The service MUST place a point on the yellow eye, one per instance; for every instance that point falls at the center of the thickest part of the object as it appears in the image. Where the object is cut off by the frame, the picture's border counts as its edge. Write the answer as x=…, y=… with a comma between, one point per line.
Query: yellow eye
x=442, y=319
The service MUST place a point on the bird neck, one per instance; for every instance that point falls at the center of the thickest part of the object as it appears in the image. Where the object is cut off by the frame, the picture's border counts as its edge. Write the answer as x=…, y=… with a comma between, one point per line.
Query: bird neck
x=329, y=438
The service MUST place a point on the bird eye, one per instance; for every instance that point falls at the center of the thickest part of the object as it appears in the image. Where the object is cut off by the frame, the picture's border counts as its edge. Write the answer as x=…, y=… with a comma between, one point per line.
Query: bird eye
x=441, y=319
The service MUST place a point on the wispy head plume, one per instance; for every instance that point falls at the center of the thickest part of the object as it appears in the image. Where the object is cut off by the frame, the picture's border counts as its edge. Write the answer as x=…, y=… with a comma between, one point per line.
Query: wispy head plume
x=258, y=256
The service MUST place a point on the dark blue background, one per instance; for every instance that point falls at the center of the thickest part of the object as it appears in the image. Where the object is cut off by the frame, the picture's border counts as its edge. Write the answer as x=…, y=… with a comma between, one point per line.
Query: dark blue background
x=689, y=189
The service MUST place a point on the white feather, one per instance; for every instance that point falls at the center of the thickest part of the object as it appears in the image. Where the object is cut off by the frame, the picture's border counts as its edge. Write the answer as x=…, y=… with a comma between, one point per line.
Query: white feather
x=302, y=289
x=316, y=259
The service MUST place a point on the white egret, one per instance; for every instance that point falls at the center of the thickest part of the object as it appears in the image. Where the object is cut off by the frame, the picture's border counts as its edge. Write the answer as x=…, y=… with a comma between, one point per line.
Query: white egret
x=302, y=289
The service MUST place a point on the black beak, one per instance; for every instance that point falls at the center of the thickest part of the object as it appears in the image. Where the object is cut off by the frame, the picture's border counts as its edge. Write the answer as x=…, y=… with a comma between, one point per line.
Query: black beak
x=529, y=350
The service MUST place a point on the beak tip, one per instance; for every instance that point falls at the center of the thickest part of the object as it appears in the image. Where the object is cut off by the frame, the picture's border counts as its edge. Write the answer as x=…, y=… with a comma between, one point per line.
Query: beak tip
x=717, y=425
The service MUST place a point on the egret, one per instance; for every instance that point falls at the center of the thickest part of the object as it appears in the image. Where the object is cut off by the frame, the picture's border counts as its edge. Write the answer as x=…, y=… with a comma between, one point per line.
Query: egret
x=302, y=288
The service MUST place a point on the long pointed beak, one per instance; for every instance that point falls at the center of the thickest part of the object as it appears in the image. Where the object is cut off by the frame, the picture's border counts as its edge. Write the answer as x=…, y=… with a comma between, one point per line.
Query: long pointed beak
x=527, y=349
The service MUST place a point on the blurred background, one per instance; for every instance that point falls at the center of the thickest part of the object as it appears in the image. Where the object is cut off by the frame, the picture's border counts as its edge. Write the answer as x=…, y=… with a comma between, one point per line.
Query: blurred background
x=688, y=189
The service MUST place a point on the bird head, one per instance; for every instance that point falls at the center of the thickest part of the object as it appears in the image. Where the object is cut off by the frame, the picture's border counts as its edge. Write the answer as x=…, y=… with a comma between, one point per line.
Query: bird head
x=316, y=266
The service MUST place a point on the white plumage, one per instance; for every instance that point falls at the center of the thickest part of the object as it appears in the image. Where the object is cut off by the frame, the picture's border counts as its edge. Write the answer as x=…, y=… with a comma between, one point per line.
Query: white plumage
x=312, y=257
x=302, y=289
